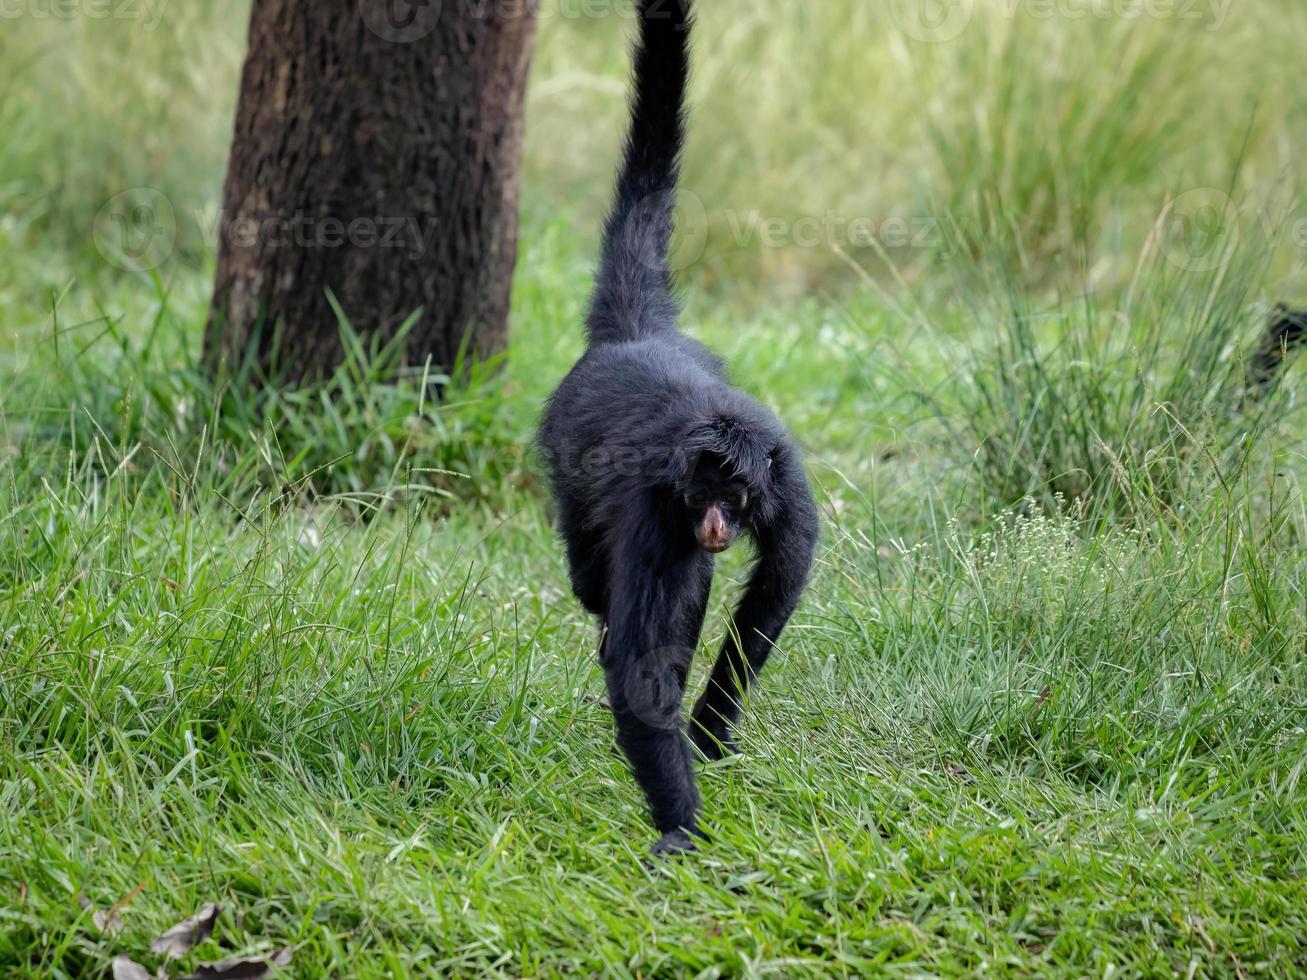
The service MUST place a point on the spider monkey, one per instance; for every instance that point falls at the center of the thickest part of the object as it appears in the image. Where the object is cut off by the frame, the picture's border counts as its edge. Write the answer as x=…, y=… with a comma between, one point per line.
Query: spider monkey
x=657, y=465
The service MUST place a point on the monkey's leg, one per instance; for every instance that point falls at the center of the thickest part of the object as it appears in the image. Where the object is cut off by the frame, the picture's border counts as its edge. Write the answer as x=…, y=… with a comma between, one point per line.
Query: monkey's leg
x=785, y=555
x=657, y=607
x=587, y=563
x=587, y=568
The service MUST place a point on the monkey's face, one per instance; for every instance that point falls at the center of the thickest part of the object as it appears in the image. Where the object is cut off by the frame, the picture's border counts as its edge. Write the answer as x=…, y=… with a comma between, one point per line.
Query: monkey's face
x=716, y=512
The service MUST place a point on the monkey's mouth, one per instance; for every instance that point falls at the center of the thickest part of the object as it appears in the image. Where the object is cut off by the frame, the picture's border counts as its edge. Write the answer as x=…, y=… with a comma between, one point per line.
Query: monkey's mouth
x=715, y=547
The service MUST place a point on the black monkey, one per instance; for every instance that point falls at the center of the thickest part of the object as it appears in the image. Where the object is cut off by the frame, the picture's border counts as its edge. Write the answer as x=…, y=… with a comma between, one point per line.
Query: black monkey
x=657, y=463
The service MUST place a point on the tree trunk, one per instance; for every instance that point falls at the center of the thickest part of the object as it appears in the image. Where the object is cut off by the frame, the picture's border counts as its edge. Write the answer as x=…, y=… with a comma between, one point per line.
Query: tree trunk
x=376, y=156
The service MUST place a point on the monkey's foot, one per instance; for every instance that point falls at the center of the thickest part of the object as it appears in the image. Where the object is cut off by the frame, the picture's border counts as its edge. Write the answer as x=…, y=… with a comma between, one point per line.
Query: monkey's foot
x=672, y=844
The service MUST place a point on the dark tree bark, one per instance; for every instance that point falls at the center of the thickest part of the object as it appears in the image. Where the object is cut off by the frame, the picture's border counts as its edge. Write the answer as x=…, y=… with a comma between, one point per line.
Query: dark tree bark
x=376, y=155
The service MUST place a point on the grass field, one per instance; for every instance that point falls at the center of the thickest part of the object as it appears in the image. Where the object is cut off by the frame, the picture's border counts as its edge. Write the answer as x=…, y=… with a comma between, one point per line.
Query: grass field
x=312, y=655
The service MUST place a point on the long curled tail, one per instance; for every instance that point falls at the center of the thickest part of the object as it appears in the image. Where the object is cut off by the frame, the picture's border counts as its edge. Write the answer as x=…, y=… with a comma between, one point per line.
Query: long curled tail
x=633, y=287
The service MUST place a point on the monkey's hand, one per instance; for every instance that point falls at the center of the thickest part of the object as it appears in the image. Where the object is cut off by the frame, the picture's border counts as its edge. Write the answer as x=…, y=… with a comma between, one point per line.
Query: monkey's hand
x=711, y=737
x=672, y=844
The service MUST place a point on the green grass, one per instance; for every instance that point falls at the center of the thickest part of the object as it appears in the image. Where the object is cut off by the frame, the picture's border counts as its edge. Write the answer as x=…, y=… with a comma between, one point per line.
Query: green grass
x=311, y=654
x=366, y=722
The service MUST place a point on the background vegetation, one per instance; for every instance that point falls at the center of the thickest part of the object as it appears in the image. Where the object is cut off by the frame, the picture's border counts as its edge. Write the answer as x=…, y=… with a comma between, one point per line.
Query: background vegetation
x=311, y=654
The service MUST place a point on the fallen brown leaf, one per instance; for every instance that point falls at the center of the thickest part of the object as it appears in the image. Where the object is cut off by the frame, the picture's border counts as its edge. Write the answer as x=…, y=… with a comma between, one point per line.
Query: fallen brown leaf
x=107, y=921
x=186, y=935
x=1043, y=697
x=126, y=968
x=238, y=969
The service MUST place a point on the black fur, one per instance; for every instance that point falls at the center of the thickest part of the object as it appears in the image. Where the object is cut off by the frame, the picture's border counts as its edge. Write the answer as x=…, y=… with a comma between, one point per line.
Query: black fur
x=642, y=430
x=1286, y=329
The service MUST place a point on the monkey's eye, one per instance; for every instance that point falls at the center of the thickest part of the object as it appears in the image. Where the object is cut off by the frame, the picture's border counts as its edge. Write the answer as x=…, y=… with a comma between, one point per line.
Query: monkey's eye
x=696, y=500
x=736, y=500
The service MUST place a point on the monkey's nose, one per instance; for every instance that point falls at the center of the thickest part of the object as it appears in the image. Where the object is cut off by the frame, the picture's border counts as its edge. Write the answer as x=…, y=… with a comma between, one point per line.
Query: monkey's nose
x=712, y=532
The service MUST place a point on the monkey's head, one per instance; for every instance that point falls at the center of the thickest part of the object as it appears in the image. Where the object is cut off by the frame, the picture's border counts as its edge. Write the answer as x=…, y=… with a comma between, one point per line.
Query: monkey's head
x=716, y=501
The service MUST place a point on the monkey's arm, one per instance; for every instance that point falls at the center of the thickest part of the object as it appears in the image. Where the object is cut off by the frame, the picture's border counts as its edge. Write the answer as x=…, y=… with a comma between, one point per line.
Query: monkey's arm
x=786, y=549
